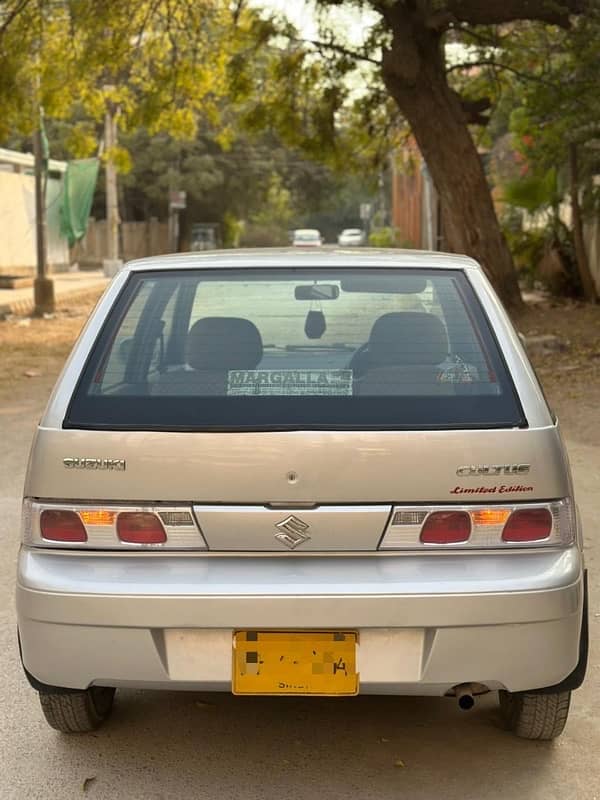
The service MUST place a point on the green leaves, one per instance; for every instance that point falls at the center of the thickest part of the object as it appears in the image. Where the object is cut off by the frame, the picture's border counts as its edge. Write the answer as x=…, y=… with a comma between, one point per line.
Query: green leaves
x=557, y=102
x=162, y=63
x=533, y=192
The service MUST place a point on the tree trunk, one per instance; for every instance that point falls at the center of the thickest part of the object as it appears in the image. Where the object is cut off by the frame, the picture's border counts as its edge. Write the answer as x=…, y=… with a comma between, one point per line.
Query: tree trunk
x=583, y=265
x=414, y=73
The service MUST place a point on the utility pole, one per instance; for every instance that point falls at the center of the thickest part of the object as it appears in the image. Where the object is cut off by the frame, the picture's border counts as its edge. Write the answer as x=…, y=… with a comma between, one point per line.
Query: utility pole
x=112, y=262
x=173, y=228
x=177, y=203
x=382, y=199
x=366, y=212
x=43, y=286
x=429, y=210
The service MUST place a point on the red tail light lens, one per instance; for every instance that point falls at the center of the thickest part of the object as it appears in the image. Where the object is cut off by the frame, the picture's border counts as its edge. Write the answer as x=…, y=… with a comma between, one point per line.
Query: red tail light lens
x=136, y=527
x=528, y=525
x=446, y=527
x=62, y=526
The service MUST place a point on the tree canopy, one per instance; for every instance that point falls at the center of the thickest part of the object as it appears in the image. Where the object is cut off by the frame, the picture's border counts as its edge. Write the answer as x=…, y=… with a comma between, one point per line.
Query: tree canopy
x=161, y=63
x=542, y=81
x=183, y=68
x=411, y=81
x=186, y=121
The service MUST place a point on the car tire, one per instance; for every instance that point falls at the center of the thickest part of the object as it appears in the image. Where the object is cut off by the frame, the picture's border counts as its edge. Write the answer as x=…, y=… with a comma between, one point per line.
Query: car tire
x=535, y=716
x=77, y=712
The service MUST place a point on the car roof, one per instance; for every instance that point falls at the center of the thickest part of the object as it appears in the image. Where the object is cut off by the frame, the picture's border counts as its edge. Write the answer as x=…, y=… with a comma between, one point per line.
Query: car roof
x=288, y=257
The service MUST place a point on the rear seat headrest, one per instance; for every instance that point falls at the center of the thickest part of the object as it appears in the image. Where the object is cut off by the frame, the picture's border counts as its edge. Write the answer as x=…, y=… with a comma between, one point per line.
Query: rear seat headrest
x=409, y=337
x=224, y=343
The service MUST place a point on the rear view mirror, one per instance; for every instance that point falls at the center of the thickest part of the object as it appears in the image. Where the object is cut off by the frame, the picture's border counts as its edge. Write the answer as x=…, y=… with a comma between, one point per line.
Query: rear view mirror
x=385, y=284
x=317, y=291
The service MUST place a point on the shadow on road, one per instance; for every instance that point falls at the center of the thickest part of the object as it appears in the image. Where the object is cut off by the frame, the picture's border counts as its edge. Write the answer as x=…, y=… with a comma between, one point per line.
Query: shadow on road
x=181, y=745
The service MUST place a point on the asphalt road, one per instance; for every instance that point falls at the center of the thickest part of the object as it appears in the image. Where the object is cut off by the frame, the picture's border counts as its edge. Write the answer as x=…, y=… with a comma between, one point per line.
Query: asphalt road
x=212, y=747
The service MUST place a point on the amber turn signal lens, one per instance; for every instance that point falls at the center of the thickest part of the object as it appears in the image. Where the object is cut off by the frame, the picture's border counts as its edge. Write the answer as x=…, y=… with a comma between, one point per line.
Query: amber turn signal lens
x=95, y=517
x=490, y=516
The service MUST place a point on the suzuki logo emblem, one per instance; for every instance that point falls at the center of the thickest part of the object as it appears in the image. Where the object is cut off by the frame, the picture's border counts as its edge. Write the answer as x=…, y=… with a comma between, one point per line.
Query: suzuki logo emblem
x=293, y=532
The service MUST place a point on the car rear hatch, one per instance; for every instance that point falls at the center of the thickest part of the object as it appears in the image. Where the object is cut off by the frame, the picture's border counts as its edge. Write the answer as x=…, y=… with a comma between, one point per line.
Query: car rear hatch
x=320, y=491
x=298, y=410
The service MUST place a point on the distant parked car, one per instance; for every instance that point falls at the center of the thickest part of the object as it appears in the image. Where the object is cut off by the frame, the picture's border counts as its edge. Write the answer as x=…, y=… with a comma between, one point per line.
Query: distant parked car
x=307, y=237
x=204, y=236
x=351, y=237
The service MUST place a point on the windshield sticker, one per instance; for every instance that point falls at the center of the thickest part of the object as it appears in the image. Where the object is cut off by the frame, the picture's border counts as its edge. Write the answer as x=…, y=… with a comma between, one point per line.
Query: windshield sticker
x=289, y=382
x=458, y=372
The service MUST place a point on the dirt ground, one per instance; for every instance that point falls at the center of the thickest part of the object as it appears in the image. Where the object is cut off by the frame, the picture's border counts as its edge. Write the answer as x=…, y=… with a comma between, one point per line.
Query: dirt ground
x=570, y=376
x=32, y=352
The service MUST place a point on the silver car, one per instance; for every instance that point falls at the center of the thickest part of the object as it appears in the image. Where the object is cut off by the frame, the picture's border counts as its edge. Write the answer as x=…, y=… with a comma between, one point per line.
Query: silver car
x=301, y=473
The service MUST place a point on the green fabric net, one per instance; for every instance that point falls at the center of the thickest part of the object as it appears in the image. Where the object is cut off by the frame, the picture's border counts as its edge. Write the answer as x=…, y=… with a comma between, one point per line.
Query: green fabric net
x=79, y=185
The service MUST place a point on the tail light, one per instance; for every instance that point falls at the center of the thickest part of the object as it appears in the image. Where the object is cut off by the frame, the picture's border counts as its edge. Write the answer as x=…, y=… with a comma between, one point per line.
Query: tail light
x=62, y=526
x=110, y=527
x=528, y=525
x=105, y=526
x=140, y=528
x=446, y=527
x=481, y=527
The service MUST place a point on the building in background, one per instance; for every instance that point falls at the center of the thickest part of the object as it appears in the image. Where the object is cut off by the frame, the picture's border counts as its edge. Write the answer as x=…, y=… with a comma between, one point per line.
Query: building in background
x=17, y=215
x=417, y=215
x=416, y=212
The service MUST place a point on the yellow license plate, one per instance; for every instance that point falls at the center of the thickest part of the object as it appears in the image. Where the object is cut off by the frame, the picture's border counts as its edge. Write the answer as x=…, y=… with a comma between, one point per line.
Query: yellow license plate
x=294, y=663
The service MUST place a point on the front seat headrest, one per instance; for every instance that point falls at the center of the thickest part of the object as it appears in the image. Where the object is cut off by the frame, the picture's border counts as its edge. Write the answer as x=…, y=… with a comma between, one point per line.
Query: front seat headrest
x=224, y=343
x=409, y=337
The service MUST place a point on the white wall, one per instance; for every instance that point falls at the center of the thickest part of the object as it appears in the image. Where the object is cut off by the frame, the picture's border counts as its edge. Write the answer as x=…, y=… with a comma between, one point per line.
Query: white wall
x=17, y=223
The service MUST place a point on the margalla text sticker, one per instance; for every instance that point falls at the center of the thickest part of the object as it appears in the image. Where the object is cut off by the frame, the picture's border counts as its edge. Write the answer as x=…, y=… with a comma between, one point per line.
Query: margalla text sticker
x=289, y=382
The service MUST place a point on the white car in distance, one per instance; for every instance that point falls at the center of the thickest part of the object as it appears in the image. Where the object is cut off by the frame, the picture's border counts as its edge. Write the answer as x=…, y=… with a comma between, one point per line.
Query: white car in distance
x=307, y=237
x=351, y=237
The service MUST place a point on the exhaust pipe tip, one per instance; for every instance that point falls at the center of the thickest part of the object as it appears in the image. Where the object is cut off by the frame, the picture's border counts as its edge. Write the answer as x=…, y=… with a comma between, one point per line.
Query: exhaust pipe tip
x=464, y=696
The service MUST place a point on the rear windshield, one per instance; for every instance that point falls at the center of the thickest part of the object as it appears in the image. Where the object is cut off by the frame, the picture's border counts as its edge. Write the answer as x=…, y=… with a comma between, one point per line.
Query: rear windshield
x=295, y=348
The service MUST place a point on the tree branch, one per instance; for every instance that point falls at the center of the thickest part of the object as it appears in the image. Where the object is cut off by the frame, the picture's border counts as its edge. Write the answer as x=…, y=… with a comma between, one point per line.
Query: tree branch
x=526, y=76
x=12, y=14
x=238, y=7
x=337, y=48
x=147, y=17
x=476, y=106
x=473, y=109
x=440, y=21
x=493, y=39
x=495, y=12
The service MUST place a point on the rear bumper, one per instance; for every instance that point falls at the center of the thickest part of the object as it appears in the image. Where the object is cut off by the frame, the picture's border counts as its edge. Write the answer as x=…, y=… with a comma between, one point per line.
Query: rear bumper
x=425, y=623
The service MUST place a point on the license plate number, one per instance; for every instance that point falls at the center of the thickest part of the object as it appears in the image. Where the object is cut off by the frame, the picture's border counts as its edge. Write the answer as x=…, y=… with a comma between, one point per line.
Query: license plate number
x=310, y=662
